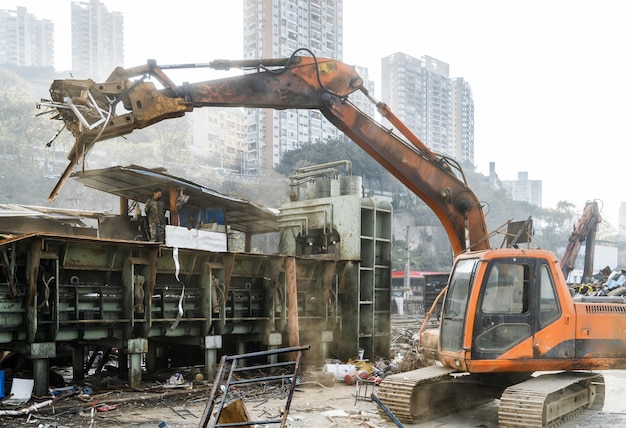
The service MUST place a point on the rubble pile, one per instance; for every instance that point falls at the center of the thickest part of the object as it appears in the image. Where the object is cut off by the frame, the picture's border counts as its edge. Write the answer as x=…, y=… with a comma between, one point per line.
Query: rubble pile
x=604, y=283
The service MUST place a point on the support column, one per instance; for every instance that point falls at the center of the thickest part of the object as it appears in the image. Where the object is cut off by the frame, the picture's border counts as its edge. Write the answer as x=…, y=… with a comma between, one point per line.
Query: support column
x=273, y=341
x=151, y=357
x=78, y=362
x=293, y=325
x=327, y=337
x=135, y=348
x=39, y=354
x=211, y=345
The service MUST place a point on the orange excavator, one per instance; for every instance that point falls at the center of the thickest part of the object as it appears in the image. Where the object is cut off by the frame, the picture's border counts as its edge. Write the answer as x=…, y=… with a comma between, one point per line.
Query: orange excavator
x=507, y=315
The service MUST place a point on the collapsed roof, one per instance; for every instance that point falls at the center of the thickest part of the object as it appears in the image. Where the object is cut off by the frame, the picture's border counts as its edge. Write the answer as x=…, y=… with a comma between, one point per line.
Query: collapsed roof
x=137, y=183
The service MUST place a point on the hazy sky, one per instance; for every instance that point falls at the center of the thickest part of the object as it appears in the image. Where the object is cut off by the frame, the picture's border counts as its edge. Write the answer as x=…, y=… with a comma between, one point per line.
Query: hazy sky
x=548, y=77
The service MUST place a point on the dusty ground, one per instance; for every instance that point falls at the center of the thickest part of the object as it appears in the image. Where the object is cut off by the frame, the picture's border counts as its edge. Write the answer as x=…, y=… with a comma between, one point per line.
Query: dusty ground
x=312, y=406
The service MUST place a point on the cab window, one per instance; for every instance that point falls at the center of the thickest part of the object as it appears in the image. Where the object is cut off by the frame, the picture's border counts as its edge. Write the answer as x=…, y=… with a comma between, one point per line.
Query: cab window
x=549, y=309
x=507, y=289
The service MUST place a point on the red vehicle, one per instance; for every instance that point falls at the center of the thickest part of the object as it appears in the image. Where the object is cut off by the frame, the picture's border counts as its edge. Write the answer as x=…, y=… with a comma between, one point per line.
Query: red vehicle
x=423, y=289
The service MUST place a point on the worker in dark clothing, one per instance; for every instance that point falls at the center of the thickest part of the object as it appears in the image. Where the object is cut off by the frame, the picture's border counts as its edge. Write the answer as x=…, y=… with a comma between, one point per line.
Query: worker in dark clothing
x=155, y=211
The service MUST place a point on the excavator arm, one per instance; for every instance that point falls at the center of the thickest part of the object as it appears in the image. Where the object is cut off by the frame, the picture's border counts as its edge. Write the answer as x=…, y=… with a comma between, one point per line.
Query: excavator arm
x=91, y=111
x=585, y=230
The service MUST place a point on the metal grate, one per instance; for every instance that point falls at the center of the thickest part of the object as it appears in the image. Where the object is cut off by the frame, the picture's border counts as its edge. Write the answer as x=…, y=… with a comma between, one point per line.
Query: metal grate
x=606, y=309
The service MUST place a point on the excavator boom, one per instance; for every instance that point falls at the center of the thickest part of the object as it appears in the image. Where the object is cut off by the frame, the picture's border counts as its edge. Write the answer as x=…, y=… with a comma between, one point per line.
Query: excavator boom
x=89, y=111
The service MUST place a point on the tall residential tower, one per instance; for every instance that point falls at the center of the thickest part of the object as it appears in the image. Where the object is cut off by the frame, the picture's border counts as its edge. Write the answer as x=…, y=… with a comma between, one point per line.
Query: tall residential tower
x=26, y=41
x=276, y=29
x=97, y=40
x=438, y=109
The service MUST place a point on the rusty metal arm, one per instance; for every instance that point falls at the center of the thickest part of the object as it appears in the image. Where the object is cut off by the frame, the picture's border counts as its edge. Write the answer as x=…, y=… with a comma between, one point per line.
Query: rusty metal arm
x=431, y=177
x=299, y=82
x=585, y=230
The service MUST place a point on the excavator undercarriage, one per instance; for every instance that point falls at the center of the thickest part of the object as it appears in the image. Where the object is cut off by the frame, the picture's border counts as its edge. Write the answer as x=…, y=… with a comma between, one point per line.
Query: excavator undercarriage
x=552, y=399
x=546, y=400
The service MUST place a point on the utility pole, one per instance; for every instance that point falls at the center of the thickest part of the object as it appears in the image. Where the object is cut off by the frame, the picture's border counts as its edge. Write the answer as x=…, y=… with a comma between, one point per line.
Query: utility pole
x=407, y=265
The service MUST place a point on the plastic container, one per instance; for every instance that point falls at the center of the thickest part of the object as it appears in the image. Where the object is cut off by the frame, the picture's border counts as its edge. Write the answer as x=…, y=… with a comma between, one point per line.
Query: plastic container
x=1, y=383
x=340, y=370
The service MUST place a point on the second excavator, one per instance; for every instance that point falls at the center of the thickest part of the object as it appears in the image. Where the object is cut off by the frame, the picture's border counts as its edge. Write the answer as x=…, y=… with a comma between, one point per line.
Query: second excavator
x=508, y=315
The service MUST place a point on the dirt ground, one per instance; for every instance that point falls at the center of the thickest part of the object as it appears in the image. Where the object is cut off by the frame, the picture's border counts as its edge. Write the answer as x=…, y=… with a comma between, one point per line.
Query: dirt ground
x=312, y=406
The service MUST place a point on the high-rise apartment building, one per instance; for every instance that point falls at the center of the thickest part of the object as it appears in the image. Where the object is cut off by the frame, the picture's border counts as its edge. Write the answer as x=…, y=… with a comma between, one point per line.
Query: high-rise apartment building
x=438, y=109
x=26, y=41
x=275, y=29
x=97, y=40
x=462, y=120
x=523, y=189
x=218, y=137
x=358, y=98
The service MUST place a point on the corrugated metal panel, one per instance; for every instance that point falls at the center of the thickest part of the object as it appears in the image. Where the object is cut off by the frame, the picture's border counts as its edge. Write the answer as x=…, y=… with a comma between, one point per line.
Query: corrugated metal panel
x=138, y=183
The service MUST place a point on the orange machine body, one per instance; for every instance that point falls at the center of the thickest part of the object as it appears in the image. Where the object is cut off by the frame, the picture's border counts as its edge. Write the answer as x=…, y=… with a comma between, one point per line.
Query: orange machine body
x=526, y=322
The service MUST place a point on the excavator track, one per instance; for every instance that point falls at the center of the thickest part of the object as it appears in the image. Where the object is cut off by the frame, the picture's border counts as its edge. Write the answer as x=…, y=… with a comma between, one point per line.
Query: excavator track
x=432, y=392
x=397, y=391
x=552, y=400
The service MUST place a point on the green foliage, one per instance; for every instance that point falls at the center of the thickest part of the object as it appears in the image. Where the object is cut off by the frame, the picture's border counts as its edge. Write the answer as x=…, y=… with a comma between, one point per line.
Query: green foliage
x=557, y=227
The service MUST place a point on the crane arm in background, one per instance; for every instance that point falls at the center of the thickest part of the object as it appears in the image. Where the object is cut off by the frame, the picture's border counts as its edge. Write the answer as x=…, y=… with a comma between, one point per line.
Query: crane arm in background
x=585, y=230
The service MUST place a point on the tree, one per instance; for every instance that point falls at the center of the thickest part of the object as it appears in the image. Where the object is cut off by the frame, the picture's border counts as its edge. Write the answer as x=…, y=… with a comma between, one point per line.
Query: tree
x=556, y=227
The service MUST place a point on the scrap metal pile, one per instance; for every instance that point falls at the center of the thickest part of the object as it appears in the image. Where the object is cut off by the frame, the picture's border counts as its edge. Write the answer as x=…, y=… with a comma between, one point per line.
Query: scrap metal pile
x=604, y=283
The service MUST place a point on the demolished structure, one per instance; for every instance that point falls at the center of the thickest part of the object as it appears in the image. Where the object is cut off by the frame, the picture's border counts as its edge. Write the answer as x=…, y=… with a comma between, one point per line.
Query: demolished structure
x=193, y=299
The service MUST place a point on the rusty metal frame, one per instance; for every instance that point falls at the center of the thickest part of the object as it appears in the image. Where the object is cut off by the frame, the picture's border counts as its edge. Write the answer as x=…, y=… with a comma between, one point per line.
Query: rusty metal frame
x=230, y=365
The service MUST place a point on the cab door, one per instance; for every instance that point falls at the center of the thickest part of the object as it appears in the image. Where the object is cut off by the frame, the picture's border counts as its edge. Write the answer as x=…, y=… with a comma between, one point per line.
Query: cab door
x=504, y=317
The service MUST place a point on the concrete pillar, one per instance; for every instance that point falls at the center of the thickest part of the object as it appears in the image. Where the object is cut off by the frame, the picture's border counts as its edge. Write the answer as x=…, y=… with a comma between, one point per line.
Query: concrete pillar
x=39, y=354
x=151, y=357
x=122, y=363
x=273, y=341
x=41, y=368
x=78, y=362
x=135, y=348
x=211, y=345
x=327, y=337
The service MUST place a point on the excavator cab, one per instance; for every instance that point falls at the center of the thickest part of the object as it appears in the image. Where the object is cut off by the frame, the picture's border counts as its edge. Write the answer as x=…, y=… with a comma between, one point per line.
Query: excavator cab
x=495, y=311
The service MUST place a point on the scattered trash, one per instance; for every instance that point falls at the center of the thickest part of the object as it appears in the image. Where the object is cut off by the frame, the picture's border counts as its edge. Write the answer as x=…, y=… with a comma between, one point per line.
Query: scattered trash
x=339, y=370
x=63, y=391
x=351, y=378
x=183, y=412
x=335, y=414
x=21, y=391
x=25, y=410
x=105, y=408
x=176, y=379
